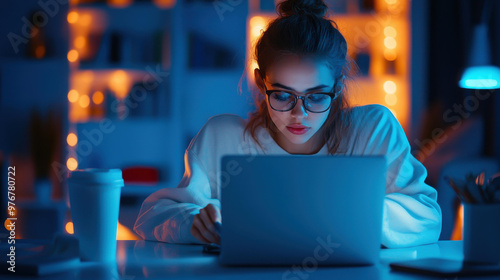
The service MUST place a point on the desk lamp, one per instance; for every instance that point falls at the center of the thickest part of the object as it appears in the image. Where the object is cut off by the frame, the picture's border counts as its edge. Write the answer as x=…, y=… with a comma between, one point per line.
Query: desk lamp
x=480, y=73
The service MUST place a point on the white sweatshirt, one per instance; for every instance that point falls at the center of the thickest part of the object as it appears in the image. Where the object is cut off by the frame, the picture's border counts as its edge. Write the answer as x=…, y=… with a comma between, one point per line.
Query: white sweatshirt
x=411, y=214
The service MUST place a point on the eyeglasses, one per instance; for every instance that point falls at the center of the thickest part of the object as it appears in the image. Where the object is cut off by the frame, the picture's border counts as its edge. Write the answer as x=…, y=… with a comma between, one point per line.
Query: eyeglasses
x=283, y=101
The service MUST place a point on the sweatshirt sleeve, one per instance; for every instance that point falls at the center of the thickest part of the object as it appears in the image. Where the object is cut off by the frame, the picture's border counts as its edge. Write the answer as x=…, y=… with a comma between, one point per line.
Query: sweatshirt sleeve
x=411, y=214
x=167, y=214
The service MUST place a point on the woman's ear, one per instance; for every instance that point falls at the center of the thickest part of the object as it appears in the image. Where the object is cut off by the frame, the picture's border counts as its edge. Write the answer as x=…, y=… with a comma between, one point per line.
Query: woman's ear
x=339, y=86
x=259, y=80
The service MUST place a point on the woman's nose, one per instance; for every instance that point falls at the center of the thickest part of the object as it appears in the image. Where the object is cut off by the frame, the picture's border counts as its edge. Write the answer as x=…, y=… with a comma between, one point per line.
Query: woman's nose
x=299, y=110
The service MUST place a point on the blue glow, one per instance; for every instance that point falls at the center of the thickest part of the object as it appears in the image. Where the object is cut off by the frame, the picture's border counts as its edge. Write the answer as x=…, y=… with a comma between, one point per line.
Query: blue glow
x=480, y=77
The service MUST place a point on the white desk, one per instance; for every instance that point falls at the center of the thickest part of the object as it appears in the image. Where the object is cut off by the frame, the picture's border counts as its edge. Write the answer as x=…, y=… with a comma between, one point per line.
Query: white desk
x=156, y=260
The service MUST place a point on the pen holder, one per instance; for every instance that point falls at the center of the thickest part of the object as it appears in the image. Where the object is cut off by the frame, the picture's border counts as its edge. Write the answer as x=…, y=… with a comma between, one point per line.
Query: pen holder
x=481, y=233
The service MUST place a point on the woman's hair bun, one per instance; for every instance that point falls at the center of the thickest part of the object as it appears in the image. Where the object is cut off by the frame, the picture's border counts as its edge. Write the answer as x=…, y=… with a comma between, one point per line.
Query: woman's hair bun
x=293, y=7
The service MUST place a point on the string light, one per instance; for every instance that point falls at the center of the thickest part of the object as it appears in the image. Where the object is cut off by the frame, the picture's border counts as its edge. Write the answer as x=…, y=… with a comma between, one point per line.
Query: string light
x=72, y=56
x=73, y=96
x=72, y=139
x=72, y=17
x=390, y=31
x=69, y=228
x=390, y=87
x=390, y=42
x=84, y=101
x=390, y=55
x=7, y=224
x=71, y=163
x=98, y=97
x=391, y=99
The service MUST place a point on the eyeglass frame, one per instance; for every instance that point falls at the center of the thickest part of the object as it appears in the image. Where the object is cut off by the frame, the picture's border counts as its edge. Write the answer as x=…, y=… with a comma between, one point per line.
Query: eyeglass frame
x=332, y=95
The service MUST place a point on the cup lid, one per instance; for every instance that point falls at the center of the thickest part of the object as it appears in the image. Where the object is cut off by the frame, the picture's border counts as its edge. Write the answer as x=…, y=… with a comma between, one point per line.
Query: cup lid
x=97, y=176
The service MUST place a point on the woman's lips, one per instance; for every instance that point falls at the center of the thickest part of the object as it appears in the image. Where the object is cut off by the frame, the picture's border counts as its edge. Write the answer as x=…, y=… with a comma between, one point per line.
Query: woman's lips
x=297, y=129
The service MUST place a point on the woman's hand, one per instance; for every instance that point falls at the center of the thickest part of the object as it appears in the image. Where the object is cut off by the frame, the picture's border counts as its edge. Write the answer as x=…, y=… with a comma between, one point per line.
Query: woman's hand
x=203, y=227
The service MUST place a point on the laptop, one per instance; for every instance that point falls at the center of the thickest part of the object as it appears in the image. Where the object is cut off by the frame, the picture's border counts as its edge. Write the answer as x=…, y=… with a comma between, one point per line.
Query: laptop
x=301, y=210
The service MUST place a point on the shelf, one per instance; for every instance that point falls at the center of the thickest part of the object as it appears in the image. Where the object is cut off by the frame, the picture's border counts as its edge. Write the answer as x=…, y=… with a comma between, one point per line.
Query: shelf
x=133, y=5
x=117, y=16
x=132, y=67
x=104, y=74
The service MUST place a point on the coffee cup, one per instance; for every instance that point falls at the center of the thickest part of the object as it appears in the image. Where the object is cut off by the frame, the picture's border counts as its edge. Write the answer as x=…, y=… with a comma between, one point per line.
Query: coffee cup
x=95, y=204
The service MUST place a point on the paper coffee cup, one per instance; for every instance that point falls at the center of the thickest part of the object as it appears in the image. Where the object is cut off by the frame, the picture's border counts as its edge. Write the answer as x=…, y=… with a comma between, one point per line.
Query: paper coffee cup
x=95, y=203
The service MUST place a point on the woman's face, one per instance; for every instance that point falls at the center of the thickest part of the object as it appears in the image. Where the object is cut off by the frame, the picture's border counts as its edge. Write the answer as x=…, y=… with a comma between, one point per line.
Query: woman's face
x=298, y=129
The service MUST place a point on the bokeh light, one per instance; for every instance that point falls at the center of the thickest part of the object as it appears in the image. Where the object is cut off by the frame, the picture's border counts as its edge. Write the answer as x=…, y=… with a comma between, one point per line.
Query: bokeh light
x=119, y=83
x=72, y=56
x=390, y=87
x=73, y=96
x=390, y=42
x=40, y=51
x=69, y=228
x=390, y=55
x=84, y=101
x=72, y=139
x=257, y=25
x=98, y=97
x=72, y=17
x=391, y=99
x=86, y=20
x=390, y=31
x=119, y=3
x=6, y=224
x=72, y=163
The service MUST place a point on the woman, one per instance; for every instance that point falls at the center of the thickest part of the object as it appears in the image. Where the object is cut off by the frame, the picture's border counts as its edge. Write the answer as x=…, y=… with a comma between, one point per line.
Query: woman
x=302, y=109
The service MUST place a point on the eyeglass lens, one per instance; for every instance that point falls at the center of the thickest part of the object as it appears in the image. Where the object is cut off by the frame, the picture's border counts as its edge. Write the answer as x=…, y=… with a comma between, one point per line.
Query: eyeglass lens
x=314, y=102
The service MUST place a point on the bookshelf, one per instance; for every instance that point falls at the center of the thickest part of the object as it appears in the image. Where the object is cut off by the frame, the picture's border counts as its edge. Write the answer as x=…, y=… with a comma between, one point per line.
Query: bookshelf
x=119, y=55
x=154, y=76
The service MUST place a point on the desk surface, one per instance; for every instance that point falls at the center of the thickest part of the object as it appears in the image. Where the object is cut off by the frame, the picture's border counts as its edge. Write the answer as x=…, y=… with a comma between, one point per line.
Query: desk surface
x=154, y=260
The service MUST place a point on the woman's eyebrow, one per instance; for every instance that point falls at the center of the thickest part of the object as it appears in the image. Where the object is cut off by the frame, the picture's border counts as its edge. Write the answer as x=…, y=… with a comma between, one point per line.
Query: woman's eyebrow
x=289, y=88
